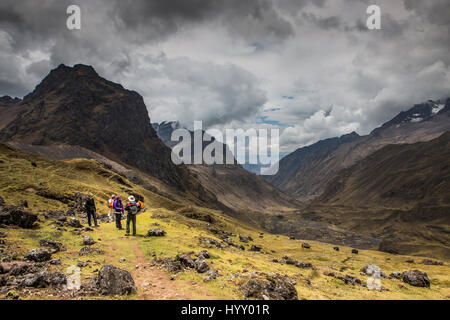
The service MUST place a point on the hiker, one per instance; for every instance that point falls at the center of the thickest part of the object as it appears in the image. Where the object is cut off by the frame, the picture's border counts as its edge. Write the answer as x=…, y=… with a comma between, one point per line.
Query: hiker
x=132, y=209
x=91, y=211
x=118, y=211
x=111, y=208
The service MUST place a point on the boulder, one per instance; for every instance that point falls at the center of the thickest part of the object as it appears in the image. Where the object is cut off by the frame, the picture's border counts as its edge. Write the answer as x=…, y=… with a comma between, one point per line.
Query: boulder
x=35, y=280
x=38, y=255
x=306, y=246
x=74, y=223
x=348, y=279
x=211, y=275
x=336, y=248
x=88, y=241
x=288, y=260
x=89, y=250
x=55, y=262
x=22, y=269
x=304, y=265
x=3, y=235
x=82, y=264
x=170, y=264
x=416, y=278
x=17, y=216
x=56, y=279
x=114, y=281
x=270, y=287
x=201, y=266
x=204, y=254
x=55, y=246
x=432, y=263
x=186, y=260
x=209, y=243
x=156, y=233
x=354, y=251
x=243, y=239
x=255, y=248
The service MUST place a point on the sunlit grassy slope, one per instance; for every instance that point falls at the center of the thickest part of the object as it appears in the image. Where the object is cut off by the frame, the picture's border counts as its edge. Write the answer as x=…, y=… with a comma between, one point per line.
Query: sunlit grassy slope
x=21, y=180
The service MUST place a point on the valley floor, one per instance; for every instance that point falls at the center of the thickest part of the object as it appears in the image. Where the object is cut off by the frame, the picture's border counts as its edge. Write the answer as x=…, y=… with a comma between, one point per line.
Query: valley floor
x=137, y=255
x=49, y=187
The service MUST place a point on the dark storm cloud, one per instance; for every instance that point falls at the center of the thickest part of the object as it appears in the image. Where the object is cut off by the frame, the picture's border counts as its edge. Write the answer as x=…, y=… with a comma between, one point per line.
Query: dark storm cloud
x=14, y=89
x=28, y=21
x=436, y=11
x=254, y=20
x=226, y=61
x=326, y=23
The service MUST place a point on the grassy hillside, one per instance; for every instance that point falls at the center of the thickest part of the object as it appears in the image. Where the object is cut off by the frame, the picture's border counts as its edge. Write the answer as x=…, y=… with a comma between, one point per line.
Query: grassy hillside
x=400, y=193
x=50, y=185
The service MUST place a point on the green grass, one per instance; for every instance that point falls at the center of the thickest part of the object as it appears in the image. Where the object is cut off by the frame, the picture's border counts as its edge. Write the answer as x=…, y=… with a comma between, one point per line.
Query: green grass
x=17, y=175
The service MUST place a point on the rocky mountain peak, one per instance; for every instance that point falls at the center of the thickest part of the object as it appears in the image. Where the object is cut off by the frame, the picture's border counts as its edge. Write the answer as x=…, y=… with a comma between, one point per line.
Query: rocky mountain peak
x=7, y=100
x=80, y=80
x=75, y=106
x=420, y=112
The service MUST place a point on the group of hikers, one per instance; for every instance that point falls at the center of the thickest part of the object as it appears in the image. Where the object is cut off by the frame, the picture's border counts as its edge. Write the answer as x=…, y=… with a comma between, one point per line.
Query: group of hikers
x=116, y=211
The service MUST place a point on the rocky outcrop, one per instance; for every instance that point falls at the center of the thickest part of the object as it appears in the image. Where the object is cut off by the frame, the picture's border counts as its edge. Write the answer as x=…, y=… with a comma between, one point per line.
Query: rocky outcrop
x=17, y=216
x=255, y=248
x=270, y=287
x=27, y=275
x=74, y=223
x=38, y=255
x=156, y=233
x=114, y=281
x=185, y=261
x=54, y=246
x=88, y=241
x=88, y=250
x=416, y=278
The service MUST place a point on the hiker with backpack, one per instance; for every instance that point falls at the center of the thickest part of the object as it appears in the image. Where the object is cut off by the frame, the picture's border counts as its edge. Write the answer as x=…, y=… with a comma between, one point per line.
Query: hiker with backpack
x=91, y=210
x=111, y=208
x=132, y=209
x=118, y=211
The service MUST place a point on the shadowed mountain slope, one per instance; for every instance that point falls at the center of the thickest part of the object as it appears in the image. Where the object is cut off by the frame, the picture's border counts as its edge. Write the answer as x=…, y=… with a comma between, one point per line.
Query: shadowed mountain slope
x=306, y=172
x=76, y=107
x=234, y=186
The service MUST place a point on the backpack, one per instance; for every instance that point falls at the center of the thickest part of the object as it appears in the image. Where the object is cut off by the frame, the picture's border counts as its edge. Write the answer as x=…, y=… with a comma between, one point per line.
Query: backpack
x=133, y=208
x=111, y=204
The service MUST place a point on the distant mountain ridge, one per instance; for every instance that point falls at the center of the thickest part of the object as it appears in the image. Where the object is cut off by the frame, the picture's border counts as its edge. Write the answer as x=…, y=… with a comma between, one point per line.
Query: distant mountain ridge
x=306, y=172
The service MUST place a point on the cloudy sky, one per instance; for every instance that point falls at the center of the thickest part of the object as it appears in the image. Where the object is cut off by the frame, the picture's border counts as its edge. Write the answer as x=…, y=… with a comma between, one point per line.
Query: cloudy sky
x=308, y=67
